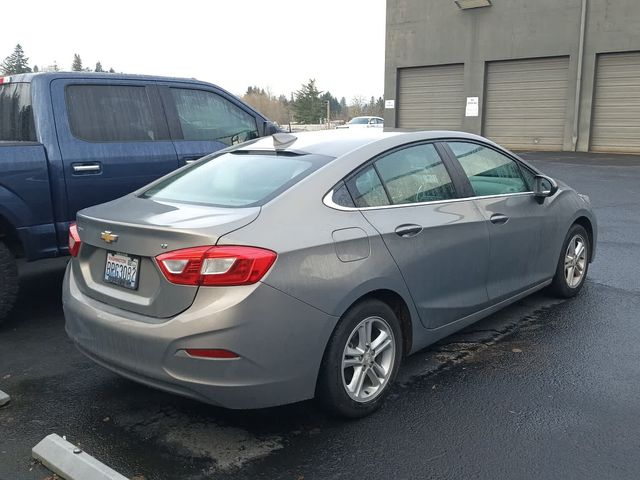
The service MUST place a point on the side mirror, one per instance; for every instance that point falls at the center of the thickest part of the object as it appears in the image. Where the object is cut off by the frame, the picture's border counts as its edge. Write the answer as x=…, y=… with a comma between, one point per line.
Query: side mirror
x=544, y=187
x=270, y=128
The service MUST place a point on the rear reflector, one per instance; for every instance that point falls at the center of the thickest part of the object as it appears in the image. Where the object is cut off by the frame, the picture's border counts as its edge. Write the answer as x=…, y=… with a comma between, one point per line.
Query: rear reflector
x=74, y=240
x=211, y=353
x=216, y=266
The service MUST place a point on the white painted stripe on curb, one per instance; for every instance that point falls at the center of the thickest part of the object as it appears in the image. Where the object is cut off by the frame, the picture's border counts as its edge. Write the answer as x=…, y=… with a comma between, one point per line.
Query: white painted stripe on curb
x=4, y=398
x=58, y=455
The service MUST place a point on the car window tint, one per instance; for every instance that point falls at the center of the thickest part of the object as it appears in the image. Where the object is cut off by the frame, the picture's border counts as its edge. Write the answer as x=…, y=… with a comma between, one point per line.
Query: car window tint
x=111, y=113
x=367, y=190
x=489, y=172
x=359, y=121
x=16, y=114
x=529, y=177
x=415, y=174
x=341, y=196
x=207, y=116
x=236, y=179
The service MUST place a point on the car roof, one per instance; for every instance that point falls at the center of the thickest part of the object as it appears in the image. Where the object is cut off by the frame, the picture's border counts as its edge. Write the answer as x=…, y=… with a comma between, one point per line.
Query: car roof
x=335, y=143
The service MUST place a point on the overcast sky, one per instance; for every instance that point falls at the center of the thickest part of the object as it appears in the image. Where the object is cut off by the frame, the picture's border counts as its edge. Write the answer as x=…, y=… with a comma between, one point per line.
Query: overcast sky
x=275, y=44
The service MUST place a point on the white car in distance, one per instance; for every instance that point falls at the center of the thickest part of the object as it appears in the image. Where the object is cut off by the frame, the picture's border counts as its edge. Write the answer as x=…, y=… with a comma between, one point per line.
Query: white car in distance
x=363, y=122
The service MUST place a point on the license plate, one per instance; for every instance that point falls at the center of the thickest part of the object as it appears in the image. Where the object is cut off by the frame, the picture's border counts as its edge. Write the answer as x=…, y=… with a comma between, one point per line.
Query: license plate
x=122, y=269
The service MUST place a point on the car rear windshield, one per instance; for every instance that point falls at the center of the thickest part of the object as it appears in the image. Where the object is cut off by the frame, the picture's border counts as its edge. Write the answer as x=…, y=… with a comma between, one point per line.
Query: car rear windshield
x=237, y=179
x=16, y=115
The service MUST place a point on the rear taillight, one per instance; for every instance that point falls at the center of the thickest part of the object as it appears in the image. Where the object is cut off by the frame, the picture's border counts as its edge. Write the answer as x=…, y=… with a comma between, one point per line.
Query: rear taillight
x=74, y=240
x=216, y=266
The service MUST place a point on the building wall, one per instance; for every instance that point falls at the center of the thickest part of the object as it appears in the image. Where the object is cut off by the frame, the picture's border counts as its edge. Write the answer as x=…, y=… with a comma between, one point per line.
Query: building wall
x=437, y=32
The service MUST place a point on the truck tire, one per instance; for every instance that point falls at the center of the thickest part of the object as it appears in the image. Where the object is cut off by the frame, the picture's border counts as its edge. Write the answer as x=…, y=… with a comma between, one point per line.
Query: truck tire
x=8, y=281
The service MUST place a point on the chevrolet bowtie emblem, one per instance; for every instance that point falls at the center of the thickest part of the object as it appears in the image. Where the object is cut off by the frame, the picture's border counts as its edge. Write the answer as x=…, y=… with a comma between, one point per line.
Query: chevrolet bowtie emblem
x=108, y=237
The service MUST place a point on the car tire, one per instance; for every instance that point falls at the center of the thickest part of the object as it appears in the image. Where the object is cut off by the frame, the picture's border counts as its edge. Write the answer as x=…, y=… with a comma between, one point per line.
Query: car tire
x=8, y=281
x=573, y=264
x=361, y=360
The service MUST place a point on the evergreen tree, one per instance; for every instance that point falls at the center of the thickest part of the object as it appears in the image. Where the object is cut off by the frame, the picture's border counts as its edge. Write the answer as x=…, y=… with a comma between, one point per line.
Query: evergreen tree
x=283, y=100
x=99, y=67
x=35, y=69
x=255, y=91
x=308, y=106
x=336, y=110
x=344, y=109
x=77, y=63
x=379, y=107
x=15, y=63
x=111, y=70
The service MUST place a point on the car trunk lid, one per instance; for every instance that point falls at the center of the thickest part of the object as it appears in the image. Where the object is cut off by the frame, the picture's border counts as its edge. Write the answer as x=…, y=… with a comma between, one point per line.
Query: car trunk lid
x=136, y=230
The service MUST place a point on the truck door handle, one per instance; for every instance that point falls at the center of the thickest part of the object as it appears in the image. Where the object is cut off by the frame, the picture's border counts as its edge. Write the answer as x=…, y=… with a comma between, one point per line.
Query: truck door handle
x=86, y=167
x=499, y=219
x=408, y=230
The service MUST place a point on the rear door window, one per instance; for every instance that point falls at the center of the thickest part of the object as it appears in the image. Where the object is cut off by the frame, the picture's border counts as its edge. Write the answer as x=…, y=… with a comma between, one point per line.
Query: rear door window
x=113, y=113
x=489, y=172
x=366, y=189
x=16, y=113
x=415, y=174
x=207, y=116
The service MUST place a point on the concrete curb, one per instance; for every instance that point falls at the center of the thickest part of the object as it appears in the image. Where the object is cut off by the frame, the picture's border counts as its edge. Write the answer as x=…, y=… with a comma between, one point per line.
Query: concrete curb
x=4, y=398
x=70, y=462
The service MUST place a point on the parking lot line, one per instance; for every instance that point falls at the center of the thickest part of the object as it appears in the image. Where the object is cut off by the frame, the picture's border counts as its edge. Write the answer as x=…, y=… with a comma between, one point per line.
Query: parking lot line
x=70, y=462
x=4, y=398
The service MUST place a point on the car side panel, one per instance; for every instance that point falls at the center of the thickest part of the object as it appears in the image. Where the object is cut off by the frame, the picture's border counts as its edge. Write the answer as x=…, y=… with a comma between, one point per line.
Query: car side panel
x=309, y=265
x=445, y=265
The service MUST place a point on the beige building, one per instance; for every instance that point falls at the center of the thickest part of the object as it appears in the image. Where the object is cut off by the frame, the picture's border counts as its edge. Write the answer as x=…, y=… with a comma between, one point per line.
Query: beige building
x=529, y=74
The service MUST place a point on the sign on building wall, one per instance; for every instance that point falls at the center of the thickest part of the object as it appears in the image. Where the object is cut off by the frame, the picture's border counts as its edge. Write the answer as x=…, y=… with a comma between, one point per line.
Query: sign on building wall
x=472, y=107
x=389, y=104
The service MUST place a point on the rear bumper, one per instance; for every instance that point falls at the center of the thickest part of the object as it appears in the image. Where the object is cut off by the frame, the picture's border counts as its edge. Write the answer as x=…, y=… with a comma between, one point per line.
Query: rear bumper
x=280, y=341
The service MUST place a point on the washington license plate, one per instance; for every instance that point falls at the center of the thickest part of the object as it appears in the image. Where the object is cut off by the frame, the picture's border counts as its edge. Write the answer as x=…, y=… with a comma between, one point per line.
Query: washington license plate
x=122, y=269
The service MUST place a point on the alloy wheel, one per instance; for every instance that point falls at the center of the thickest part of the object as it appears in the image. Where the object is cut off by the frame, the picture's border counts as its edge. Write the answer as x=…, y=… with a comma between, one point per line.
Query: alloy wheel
x=575, y=261
x=368, y=358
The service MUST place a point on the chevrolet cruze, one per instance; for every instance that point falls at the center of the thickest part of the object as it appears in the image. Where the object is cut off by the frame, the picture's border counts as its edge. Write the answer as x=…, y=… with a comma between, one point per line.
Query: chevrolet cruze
x=300, y=266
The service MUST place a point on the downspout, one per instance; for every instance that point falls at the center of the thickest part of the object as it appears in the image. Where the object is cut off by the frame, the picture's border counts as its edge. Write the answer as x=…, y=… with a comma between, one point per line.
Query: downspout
x=576, y=109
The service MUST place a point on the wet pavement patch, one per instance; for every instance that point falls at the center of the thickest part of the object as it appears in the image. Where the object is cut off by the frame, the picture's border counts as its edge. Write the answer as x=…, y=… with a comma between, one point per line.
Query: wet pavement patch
x=224, y=447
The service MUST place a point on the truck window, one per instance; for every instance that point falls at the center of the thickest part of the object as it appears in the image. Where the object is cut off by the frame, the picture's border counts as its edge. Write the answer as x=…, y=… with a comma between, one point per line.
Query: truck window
x=111, y=113
x=206, y=116
x=16, y=114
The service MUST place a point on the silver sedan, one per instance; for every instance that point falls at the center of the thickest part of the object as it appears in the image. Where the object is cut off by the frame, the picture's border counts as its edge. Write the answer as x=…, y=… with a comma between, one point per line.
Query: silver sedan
x=300, y=266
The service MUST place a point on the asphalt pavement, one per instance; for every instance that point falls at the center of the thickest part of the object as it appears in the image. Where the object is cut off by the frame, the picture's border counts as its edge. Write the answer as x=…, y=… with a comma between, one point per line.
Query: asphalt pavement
x=545, y=389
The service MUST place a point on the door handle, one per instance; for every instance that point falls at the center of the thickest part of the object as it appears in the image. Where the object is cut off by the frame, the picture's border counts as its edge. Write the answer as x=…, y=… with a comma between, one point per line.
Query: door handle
x=408, y=230
x=86, y=167
x=499, y=219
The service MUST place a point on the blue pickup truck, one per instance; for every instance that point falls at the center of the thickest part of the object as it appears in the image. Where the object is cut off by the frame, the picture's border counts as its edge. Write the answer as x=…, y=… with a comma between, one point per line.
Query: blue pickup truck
x=71, y=140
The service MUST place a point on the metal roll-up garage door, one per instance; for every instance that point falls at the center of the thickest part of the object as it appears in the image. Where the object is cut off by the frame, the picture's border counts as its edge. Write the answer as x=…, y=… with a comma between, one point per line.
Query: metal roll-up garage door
x=615, y=126
x=526, y=101
x=431, y=98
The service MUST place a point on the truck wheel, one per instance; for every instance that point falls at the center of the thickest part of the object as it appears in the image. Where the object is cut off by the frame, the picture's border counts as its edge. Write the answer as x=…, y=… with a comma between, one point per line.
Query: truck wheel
x=8, y=281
